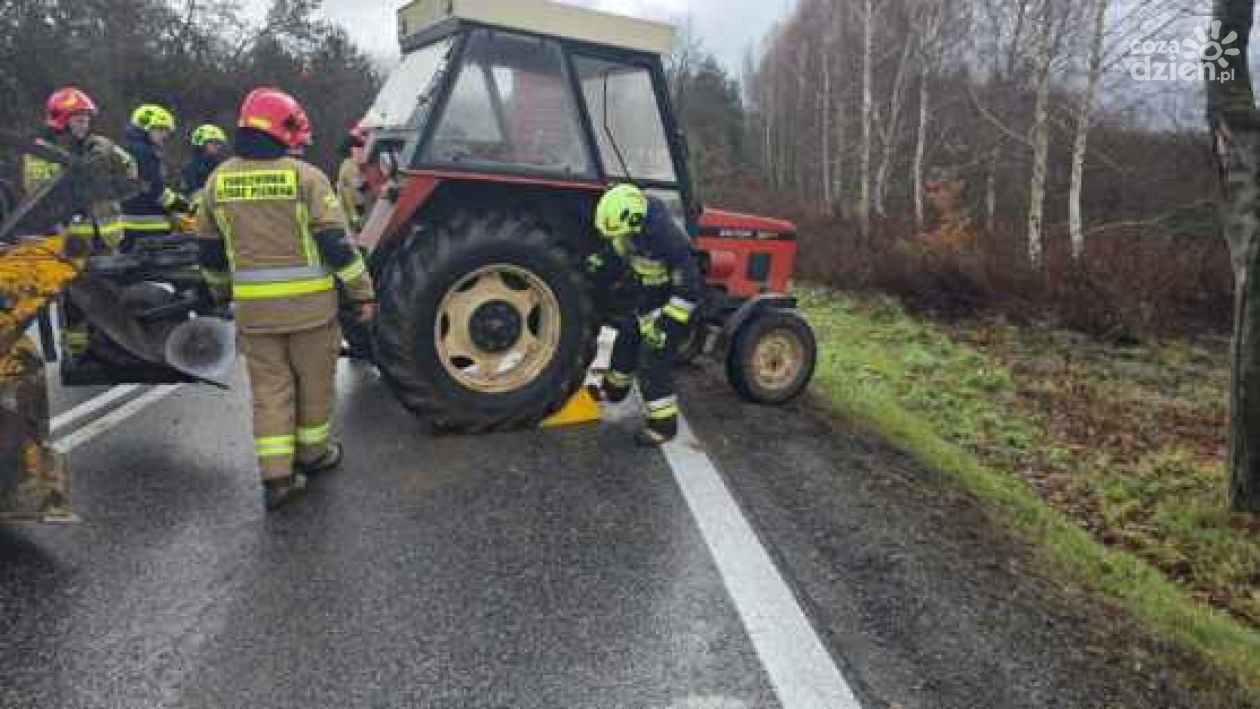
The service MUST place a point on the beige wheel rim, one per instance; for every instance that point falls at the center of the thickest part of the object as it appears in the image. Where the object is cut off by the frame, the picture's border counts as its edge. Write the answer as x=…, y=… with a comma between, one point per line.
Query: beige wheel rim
x=777, y=360
x=497, y=329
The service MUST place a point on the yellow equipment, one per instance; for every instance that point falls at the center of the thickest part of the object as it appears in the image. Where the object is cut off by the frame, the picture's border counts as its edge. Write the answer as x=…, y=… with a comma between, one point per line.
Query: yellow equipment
x=33, y=480
x=581, y=408
x=34, y=270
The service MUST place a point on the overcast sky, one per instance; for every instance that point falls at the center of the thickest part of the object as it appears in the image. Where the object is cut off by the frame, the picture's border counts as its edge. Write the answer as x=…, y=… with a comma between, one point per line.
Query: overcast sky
x=725, y=27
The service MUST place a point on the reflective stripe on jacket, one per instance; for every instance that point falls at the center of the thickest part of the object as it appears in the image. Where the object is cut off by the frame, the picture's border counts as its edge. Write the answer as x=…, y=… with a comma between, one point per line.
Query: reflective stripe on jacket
x=267, y=213
x=100, y=219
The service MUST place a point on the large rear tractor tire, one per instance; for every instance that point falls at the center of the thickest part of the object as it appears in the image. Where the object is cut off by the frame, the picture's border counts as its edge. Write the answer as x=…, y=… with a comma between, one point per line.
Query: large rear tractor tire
x=485, y=322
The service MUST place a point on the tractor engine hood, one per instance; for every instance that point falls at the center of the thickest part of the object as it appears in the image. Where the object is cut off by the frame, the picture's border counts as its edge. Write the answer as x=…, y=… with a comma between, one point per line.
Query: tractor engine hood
x=734, y=225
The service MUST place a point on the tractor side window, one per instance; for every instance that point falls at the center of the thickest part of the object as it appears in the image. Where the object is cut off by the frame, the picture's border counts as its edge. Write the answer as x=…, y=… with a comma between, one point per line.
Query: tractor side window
x=510, y=109
x=626, y=119
x=407, y=96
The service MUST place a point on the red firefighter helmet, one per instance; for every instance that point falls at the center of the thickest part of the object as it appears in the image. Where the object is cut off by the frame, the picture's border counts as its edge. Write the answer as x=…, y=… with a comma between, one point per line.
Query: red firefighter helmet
x=277, y=114
x=64, y=103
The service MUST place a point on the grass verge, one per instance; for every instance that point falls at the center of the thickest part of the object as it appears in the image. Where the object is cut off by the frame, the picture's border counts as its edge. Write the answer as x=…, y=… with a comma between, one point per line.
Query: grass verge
x=963, y=409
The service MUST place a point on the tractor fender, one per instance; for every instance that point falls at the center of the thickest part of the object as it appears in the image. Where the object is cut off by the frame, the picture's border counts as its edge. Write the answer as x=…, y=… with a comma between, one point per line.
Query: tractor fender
x=750, y=309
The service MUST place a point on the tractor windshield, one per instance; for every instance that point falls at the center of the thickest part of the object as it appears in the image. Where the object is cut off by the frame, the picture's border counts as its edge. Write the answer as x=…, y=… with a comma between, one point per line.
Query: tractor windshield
x=627, y=120
x=407, y=97
x=511, y=110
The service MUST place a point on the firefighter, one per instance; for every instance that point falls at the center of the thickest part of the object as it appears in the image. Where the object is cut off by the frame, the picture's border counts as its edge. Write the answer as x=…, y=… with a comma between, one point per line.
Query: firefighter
x=151, y=212
x=350, y=186
x=649, y=252
x=210, y=149
x=272, y=229
x=68, y=124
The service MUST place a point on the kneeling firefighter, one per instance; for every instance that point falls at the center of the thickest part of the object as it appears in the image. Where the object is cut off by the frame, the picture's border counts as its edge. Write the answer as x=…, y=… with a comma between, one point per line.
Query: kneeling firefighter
x=272, y=227
x=649, y=251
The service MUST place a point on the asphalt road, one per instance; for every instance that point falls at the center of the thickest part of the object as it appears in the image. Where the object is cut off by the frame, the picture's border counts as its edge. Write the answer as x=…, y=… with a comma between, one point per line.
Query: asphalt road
x=557, y=568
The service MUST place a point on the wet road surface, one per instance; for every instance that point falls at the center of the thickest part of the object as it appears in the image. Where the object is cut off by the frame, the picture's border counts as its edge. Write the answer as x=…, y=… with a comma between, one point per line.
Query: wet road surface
x=556, y=568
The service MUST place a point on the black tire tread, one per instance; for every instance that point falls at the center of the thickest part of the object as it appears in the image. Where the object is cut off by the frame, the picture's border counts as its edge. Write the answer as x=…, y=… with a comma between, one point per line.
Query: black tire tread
x=737, y=361
x=406, y=280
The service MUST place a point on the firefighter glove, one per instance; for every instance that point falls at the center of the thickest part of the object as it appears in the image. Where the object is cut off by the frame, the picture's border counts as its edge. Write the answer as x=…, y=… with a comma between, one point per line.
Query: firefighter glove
x=652, y=333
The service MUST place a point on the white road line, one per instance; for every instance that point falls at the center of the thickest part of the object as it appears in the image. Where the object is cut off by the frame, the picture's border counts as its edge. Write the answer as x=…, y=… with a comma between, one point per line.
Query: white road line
x=105, y=423
x=91, y=407
x=802, y=672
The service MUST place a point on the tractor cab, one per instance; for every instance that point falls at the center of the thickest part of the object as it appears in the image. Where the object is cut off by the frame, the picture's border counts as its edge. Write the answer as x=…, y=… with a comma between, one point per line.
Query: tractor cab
x=488, y=148
x=532, y=91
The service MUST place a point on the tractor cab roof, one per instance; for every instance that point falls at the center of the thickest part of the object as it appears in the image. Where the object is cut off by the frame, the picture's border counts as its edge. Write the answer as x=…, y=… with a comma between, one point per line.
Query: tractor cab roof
x=422, y=21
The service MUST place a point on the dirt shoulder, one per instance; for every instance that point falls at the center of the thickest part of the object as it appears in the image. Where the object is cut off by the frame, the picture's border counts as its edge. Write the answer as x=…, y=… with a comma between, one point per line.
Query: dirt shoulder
x=928, y=601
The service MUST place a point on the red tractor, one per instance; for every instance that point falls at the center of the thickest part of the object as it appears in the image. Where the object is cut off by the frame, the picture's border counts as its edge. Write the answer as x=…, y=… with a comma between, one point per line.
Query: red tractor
x=489, y=147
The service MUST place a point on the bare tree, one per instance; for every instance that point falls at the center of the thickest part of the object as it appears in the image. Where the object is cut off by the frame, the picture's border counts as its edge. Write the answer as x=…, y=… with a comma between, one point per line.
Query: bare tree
x=891, y=124
x=930, y=23
x=826, y=65
x=1042, y=56
x=1083, y=118
x=1235, y=126
x=868, y=109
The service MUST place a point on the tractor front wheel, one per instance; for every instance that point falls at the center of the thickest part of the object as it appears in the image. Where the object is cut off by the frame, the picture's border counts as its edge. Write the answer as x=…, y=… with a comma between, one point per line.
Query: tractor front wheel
x=772, y=357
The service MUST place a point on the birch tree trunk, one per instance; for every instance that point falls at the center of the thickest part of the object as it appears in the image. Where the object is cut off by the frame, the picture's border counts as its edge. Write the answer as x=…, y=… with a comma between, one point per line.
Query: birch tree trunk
x=931, y=22
x=838, y=154
x=825, y=132
x=1235, y=128
x=1076, y=226
x=801, y=176
x=892, y=126
x=864, y=177
x=1040, y=141
x=920, y=144
x=767, y=117
x=990, y=193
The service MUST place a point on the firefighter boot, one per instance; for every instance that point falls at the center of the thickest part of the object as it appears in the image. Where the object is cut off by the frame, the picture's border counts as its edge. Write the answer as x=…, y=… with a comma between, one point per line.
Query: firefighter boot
x=278, y=492
x=657, y=431
x=613, y=388
x=330, y=460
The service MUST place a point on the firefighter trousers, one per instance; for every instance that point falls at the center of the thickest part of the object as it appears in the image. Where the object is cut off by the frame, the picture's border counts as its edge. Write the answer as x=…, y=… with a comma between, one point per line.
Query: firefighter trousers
x=652, y=367
x=292, y=381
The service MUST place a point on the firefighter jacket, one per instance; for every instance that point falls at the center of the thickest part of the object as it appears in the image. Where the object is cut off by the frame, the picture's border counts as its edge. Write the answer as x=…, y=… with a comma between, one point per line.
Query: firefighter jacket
x=195, y=173
x=658, y=261
x=151, y=210
x=102, y=220
x=350, y=191
x=274, y=230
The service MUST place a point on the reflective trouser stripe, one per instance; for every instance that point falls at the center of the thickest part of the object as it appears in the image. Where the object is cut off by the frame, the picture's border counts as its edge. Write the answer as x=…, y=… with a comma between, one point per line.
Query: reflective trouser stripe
x=618, y=379
x=663, y=408
x=676, y=314
x=274, y=446
x=679, y=309
x=313, y=435
x=284, y=289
